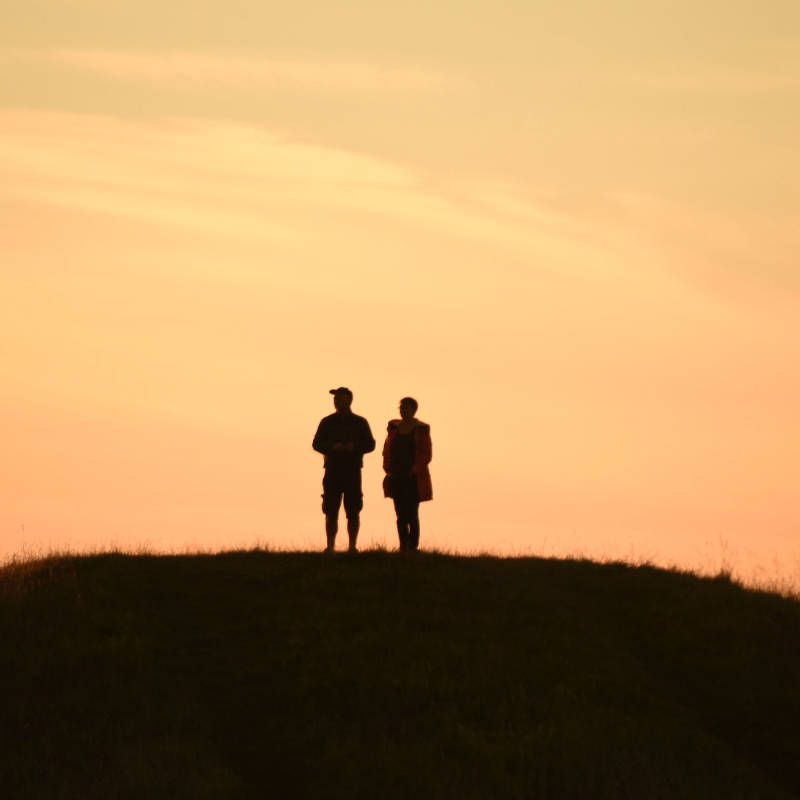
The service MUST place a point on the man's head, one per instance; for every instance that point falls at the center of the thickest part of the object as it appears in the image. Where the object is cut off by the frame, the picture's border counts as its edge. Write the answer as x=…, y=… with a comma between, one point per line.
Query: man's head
x=342, y=399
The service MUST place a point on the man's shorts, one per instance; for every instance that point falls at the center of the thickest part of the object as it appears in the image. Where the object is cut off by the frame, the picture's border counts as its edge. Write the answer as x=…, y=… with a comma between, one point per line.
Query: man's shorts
x=342, y=483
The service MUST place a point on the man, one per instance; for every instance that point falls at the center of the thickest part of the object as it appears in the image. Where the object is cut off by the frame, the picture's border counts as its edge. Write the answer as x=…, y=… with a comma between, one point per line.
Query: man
x=342, y=438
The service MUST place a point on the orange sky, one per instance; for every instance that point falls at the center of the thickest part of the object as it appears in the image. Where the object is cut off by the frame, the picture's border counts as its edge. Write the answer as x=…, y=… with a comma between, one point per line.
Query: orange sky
x=573, y=234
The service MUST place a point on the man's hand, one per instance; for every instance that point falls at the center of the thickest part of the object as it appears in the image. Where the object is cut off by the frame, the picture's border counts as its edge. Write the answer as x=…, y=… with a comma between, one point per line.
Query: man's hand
x=338, y=447
x=350, y=447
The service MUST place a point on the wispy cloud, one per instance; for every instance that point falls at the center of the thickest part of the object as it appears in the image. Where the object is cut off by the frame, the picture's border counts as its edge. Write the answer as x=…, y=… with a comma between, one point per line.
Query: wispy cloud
x=715, y=81
x=197, y=71
x=782, y=75
x=236, y=180
x=232, y=180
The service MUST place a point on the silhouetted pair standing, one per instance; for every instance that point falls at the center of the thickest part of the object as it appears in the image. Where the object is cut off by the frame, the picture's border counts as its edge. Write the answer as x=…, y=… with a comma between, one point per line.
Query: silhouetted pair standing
x=344, y=438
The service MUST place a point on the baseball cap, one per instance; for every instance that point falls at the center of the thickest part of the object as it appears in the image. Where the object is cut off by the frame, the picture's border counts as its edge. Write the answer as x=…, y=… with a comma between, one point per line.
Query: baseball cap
x=342, y=390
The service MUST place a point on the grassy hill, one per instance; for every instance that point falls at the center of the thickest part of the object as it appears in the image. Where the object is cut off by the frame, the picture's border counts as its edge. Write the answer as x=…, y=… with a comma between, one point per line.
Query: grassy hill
x=300, y=675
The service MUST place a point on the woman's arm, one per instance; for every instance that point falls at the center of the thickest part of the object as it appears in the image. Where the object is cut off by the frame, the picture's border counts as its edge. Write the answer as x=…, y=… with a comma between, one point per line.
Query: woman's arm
x=387, y=453
x=424, y=446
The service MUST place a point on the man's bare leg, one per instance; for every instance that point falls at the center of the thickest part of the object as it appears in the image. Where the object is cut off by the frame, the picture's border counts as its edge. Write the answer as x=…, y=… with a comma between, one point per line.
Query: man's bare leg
x=352, y=531
x=331, y=529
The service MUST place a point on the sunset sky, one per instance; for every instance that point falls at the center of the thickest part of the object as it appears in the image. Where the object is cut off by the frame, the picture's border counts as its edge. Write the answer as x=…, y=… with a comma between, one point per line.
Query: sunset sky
x=571, y=230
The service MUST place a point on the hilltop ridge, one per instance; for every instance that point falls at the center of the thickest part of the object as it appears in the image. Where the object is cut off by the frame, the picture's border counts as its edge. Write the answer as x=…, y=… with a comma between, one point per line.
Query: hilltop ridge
x=296, y=675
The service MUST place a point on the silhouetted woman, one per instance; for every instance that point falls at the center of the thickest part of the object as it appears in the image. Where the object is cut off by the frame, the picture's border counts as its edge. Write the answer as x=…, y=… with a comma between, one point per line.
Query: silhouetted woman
x=406, y=455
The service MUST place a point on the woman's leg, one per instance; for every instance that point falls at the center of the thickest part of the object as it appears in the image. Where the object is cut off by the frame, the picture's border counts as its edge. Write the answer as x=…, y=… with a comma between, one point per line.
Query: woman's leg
x=398, y=497
x=413, y=521
x=411, y=505
x=402, y=523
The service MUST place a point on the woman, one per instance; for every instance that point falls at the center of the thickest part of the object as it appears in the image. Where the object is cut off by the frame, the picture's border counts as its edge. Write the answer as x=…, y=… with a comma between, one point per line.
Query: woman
x=406, y=455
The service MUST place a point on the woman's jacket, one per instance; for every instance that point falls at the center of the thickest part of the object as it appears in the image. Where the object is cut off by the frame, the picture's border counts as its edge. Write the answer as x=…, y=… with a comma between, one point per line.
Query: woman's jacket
x=422, y=457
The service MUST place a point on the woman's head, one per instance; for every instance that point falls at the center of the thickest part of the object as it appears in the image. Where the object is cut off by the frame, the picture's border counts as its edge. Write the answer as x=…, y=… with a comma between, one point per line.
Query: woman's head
x=408, y=407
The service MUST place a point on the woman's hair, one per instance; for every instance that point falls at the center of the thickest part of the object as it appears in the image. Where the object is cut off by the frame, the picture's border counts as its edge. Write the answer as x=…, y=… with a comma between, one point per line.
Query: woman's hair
x=411, y=402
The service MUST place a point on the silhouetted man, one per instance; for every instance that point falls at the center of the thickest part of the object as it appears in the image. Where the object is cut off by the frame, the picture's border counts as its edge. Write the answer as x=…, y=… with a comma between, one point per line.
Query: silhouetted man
x=342, y=438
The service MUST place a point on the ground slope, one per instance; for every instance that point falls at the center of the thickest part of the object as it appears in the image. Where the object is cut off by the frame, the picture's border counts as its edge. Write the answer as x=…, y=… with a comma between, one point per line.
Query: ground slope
x=300, y=675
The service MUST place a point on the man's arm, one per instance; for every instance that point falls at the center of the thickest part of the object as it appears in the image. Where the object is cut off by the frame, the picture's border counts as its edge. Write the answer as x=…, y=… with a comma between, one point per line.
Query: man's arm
x=322, y=440
x=366, y=442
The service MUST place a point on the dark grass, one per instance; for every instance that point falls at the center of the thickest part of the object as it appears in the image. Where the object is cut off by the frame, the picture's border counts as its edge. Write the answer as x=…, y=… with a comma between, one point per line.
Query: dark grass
x=300, y=675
